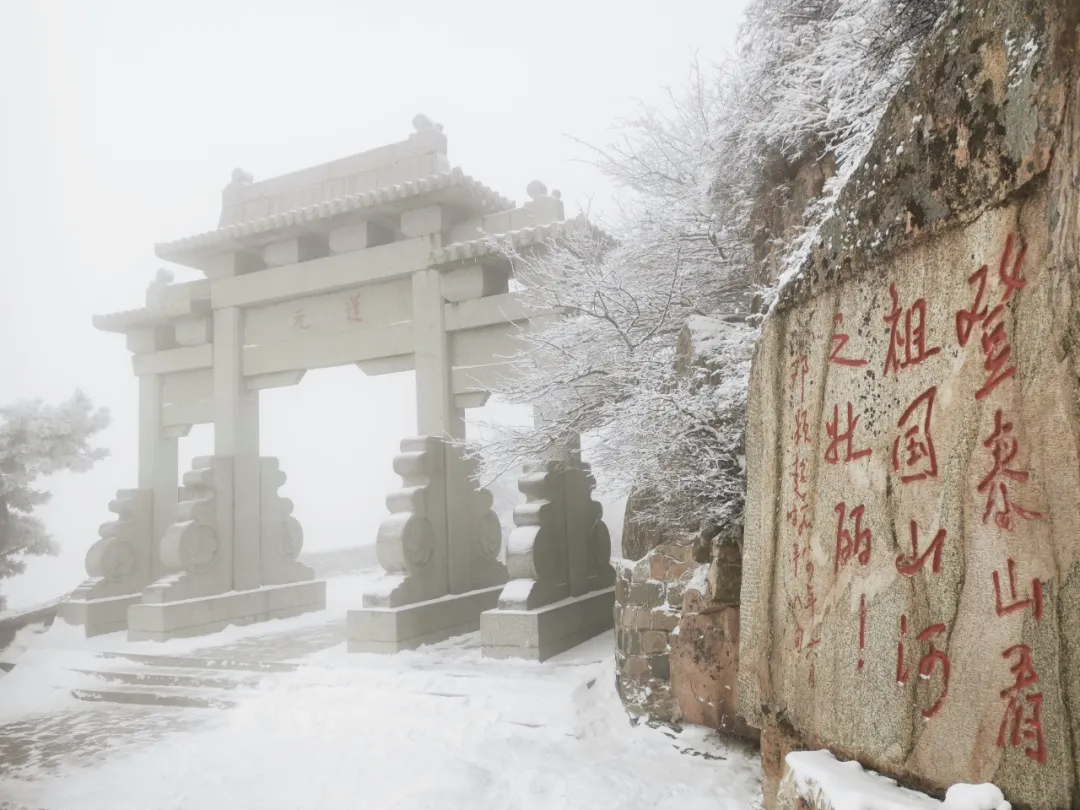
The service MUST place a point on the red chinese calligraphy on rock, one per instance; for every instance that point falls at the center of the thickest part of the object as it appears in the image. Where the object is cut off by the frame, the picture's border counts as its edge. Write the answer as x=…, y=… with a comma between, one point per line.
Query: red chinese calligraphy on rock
x=838, y=437
x=932, y=659
x=913, y=453
x=907, y=343
x=1022, y=722
x=1004, y=447
x=1034, y=601
x=800, y=367
x=994, y=342
x=850, y=545
x=910, y=565
x=811, y=659
x=839, y=341
x=798, y=476
x=802, y=427
x=797, y=516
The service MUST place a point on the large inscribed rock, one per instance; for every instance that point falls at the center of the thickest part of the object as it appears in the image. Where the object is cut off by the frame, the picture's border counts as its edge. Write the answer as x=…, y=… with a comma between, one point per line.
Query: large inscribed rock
x=926, y=516
x=910, y=585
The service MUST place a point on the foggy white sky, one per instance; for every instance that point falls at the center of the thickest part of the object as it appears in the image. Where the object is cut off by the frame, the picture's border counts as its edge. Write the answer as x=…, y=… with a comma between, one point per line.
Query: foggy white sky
x=121, y=120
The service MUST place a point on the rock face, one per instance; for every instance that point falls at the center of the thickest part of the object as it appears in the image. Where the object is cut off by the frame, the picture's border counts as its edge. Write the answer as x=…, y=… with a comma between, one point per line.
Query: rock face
x=911, y=570
x=705, y=665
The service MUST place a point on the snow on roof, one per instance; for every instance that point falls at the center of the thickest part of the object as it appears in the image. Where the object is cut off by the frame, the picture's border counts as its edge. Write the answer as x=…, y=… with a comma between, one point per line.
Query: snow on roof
x=483, y=197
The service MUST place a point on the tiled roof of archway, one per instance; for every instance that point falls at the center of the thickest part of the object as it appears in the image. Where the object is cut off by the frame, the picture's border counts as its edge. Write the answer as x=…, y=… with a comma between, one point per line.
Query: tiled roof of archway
x=489, y=200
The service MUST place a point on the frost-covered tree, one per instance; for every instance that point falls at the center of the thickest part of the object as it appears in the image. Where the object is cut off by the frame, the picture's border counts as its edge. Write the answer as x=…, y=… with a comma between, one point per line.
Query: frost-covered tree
x=810, y=78
x=608, y=369
x=37, y=440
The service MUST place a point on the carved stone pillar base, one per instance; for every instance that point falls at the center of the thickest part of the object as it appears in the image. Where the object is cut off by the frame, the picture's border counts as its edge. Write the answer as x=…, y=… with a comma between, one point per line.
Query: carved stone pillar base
x=541, y=633
x=160, y=621
x=118, y=565
x=559, y=554
x=390, y=629
x=438, y=521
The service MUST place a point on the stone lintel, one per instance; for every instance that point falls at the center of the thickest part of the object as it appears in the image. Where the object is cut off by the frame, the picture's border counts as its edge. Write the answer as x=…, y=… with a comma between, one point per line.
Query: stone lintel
x=168, y=361
x=539, y=634
x=388, y=630
x=324, y=275
x=198, y=617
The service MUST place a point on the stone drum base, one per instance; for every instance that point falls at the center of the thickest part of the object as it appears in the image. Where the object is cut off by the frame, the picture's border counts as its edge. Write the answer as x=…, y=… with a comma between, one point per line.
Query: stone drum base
x=196, y=617
x=539, y=634
x=388, y=630
x=99, y=616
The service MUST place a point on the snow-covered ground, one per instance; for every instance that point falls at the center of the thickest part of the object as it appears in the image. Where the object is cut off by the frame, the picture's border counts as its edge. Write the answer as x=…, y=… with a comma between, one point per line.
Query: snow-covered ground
x=441, y=727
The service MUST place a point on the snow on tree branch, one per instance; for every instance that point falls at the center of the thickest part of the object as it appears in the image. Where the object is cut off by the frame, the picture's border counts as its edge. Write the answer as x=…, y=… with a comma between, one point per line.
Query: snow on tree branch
x=811, y=78
x=37, y=440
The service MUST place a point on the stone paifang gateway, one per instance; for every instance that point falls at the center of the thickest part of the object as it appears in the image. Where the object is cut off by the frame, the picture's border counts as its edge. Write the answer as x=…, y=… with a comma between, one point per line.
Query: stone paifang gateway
x=383, y=259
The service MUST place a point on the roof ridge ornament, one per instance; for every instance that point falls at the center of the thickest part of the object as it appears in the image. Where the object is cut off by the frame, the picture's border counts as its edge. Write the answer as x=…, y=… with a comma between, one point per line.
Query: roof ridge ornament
x=536, y=190
x=422, y=123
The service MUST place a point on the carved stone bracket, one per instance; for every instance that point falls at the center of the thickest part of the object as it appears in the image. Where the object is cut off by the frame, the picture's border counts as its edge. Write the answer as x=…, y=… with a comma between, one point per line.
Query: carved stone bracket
x=411, y=543
x=120, y=562
x=536, y=551
x=539, y=557
x=192, y=548
x=482, y=530
x=282, y=537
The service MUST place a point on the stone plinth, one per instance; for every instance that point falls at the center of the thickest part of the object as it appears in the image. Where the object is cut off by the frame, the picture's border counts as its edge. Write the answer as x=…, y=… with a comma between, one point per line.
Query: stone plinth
x=539, y=634
x=390, y=629
x=161, y=621
x=99, y=616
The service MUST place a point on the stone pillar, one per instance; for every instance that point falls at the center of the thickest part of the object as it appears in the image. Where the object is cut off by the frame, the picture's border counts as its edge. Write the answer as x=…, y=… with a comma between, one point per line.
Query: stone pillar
x=436, y=417
x=236, y=437
x=158, y=465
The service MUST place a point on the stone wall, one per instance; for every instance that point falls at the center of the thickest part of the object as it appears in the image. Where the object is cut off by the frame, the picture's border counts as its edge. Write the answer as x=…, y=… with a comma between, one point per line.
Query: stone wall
x=648, y=607
x=912, y=538
x=677, y=638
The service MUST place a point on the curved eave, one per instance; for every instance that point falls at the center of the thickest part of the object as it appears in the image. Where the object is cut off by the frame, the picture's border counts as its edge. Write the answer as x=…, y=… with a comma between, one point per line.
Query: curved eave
x=523, y=238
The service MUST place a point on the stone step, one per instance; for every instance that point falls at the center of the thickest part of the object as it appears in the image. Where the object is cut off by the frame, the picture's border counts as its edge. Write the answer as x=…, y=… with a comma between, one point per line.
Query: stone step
x=193, y=662
x=172, y=676
x=153, y=696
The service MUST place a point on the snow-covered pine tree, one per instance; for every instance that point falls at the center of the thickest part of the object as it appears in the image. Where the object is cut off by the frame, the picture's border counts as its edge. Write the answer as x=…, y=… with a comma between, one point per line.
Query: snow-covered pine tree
x=37, y=440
